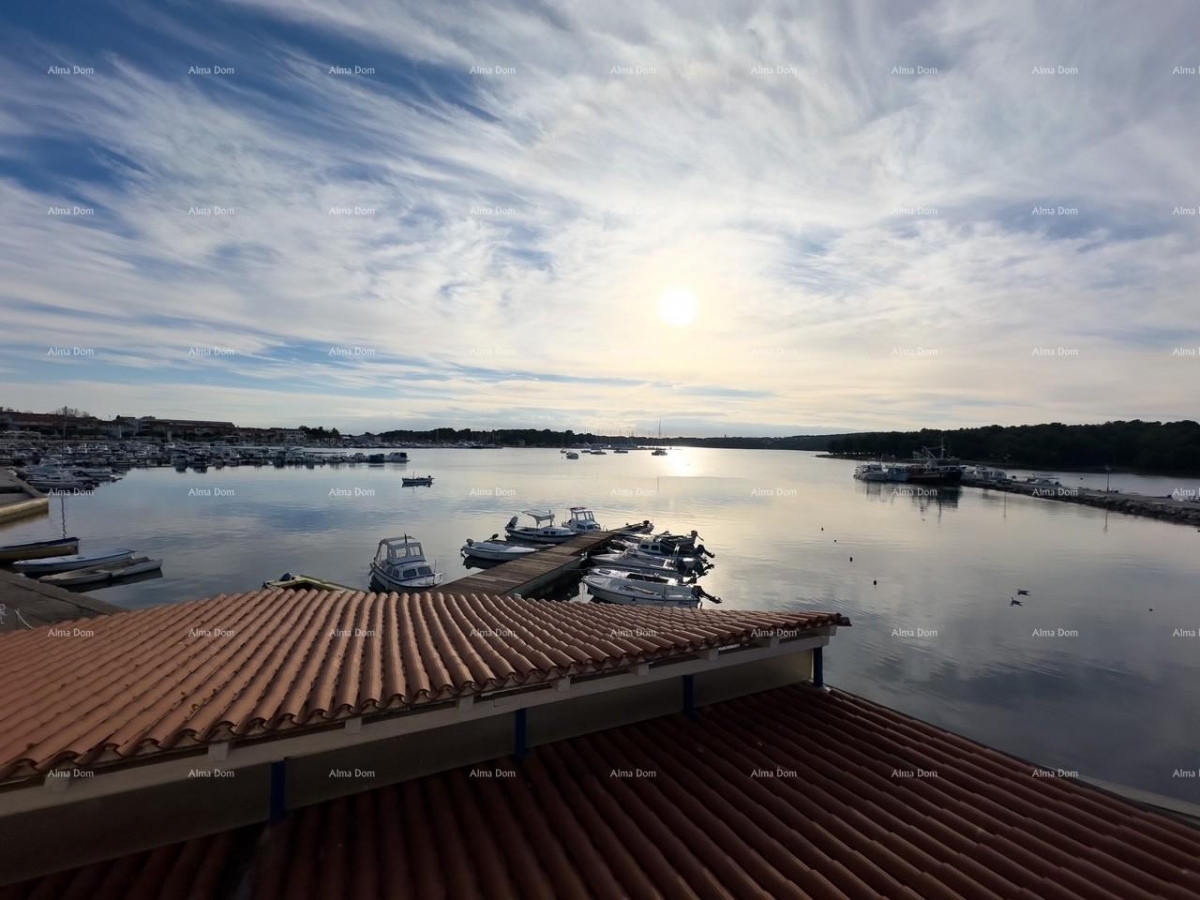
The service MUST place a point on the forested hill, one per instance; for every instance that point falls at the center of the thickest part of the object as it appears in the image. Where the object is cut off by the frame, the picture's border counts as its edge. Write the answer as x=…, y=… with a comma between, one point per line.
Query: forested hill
x=1163, y=447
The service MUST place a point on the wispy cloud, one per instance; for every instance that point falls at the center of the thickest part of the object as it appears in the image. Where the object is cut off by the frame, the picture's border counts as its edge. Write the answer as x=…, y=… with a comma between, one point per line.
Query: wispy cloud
x=478, y=221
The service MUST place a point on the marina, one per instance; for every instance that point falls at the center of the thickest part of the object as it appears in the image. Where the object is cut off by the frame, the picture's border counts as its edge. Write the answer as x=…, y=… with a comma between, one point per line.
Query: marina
x=926, y=573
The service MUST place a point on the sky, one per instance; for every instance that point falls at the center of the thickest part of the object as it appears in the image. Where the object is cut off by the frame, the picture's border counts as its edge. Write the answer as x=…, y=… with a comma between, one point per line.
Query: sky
x=736, y=218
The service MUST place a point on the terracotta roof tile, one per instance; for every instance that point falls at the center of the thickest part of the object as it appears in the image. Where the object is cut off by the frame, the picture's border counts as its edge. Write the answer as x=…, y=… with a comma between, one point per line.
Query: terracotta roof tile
x=252, y=664
x=834, y=823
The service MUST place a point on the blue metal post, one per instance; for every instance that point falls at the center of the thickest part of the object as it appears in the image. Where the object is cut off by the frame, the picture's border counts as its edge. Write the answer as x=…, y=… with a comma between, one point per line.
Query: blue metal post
x=818, y=668
x=278, y=790
x=689, y=696
x=520, y=733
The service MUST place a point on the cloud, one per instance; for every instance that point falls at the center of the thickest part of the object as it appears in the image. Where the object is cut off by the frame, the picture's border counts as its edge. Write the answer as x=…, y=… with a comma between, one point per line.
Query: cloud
x=508, y=188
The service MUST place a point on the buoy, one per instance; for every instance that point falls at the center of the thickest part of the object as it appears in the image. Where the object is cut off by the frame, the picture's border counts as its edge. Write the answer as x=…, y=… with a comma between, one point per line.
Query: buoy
x=875, y=581
x=852, y=559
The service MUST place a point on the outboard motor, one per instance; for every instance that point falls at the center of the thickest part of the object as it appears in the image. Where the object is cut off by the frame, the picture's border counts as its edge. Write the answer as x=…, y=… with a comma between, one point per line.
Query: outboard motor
x=701, y=550
x=512, y=523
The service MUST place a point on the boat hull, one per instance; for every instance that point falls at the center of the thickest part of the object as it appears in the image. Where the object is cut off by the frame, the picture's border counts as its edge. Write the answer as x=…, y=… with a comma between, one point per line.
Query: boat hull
x=38, y=549
x=99, y=574
x=627, y=593
x=495, y=551
x=69, y=563
x=418, y=583
x=539, y=535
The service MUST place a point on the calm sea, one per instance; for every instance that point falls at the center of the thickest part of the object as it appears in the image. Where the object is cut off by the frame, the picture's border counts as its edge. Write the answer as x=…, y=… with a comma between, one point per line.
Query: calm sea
x=1110, y=691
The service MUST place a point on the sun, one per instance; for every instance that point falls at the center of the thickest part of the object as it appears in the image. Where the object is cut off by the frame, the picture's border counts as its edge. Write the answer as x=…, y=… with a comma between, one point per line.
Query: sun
x=677, y=306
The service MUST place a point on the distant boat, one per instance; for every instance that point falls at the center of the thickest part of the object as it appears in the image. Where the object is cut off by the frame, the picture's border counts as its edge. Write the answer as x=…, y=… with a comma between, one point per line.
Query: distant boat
x=400, y=563
x=659, y=451
x=571, y=454
x=71, y=562
x=38, y=549
x=495, y=550
x=397, y=457
x=872, y=471
x=415, y=480
x=376, y=459
x=620, y=450
x=125, y=568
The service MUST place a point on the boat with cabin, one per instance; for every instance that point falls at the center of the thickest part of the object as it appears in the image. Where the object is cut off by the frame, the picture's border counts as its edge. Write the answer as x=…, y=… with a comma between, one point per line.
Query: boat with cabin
x=872, y=471
x=543, y=531
x=583, y=520
x=400, y=563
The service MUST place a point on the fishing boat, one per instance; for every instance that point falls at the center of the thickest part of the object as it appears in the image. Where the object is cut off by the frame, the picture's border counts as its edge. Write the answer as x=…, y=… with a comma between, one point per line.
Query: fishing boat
x=71, y=562
x=400, y=563
x=414, y=480
x=376, y=459
x=631, y=562
x=635, y=589
x=494, y=550
x=582, y=520
x=543, y=531
x=125, y=568
x=38, y=549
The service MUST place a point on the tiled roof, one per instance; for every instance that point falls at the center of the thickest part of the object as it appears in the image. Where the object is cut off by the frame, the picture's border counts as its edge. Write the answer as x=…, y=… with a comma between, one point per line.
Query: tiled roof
x=787, y=793
x=252, y=664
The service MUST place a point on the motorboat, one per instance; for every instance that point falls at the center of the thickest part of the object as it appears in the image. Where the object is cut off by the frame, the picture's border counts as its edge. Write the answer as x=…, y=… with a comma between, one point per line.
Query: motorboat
x=38, y=549
x=71, y=562
x=658, y=451
x=397, y=457
x=582, y=520
x=543, y=531
x=643, y=527
x=414, y=480
x=400, y=563
x=1043, y=479
x=376, y=459
x=631, y=562
x=620, y=450
x=636, y=589
x=667, y=544
x=289, y=582
x=571, y=454
x=495, y=550
x=872, y=471
x=125, y=568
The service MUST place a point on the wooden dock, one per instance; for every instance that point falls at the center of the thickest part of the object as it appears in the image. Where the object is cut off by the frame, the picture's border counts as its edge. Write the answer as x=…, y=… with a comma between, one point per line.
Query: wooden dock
x=26, y=603
x=534, y=572
x=18, y=500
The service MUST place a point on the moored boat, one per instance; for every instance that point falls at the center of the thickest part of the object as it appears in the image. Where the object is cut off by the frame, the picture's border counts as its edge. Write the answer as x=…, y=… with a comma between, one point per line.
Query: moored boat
x=38, y=549
x=414, y=480
x=631, y=562
x=125, y=568
x=494, y=550
x=70, y=562
x=400, y=563
x=635, y=589
x=543, y=531
x=582, y=520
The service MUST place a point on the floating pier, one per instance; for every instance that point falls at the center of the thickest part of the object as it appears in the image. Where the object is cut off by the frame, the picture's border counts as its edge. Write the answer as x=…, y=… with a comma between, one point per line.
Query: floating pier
x=535, y=571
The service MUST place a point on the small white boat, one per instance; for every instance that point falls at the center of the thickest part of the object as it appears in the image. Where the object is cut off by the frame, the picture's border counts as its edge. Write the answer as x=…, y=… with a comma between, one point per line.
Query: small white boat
x=400, y=563
x=125, y=568
x=872, y=471
x=672, y=546
x=414, y=480
x=582, y=519
x=397, y=457
x=70, y=563
x=634, y=589
x=493, y=549
x=543, y=531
